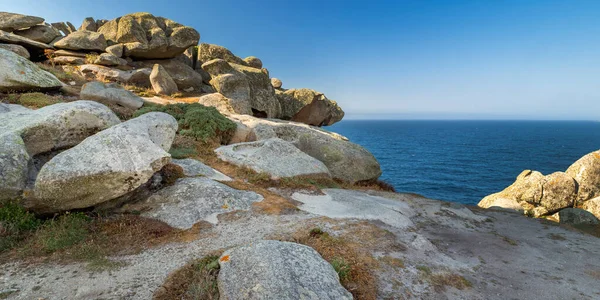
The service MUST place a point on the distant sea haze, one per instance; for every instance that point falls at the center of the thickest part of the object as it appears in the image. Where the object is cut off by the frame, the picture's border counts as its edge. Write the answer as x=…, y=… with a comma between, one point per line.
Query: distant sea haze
x=463, y=161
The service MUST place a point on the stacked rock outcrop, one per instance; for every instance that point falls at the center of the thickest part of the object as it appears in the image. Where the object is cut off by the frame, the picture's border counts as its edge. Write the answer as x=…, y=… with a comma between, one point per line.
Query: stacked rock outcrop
x=539, y=195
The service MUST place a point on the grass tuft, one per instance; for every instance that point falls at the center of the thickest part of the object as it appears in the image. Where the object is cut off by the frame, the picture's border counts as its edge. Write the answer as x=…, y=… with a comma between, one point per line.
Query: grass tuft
x=61, y=233
x=196, y=280
x=341, y=267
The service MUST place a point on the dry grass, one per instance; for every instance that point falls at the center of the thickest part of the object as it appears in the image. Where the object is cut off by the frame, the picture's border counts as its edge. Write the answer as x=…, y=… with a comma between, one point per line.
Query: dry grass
x=441, y=280
x=65, y=74
x=272, y=203
x=195, y=280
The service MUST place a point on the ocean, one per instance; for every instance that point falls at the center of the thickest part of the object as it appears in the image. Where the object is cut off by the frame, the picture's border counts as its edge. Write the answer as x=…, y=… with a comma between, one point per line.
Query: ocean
x=463, y=161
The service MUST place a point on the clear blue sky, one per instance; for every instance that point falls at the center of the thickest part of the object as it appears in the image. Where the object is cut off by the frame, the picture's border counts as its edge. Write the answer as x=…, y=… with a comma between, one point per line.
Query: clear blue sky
x=423, y=59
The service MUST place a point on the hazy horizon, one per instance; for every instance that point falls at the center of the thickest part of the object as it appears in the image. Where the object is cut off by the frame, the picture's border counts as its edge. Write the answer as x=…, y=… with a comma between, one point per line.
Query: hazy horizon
x=431, y=116
x=525, y=59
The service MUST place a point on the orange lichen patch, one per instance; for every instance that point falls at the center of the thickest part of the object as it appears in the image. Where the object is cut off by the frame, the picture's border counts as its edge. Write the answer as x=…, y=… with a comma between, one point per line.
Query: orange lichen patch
x=224, y=258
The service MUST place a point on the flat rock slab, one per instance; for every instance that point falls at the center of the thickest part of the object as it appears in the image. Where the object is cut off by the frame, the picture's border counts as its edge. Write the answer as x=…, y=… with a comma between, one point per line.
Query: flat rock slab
x=277, y=270
x=338, y=203
x=191, y=200
x=195, y=168
x=274, y=156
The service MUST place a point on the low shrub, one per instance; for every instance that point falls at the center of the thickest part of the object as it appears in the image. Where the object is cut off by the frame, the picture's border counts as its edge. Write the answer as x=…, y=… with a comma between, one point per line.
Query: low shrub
x=197, y=121
x=15, y=225
x=34, y=100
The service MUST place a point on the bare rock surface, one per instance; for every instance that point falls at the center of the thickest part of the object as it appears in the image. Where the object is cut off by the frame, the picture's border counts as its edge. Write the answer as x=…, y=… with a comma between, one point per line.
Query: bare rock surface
x=138, y=77
x=191, y=200
x=337, y=203
x=586, y=171
x=278, y=270
x=195, y=168
x=482, y=246
x=31, y=45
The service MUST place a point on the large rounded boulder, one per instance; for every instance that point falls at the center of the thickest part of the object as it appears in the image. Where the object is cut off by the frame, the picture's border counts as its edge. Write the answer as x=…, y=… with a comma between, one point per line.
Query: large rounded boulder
x=277, y=270
x=145, y=36
x=26, y=133
x=106, y=165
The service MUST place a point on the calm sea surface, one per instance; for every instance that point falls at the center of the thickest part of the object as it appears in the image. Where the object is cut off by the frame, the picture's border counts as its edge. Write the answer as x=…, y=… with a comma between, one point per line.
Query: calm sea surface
x=463, y=161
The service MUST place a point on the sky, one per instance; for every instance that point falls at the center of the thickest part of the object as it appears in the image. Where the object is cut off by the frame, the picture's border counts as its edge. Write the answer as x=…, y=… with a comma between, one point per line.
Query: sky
x=399, y=59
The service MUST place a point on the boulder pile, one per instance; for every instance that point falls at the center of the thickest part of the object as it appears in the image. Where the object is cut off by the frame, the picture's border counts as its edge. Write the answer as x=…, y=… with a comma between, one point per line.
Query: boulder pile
x=153, y=52
x=538, y=195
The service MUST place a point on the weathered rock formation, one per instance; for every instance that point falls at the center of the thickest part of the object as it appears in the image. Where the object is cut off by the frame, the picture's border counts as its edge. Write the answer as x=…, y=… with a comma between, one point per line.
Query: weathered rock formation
x=145, y=36
x=540, y=195
x=345, y=160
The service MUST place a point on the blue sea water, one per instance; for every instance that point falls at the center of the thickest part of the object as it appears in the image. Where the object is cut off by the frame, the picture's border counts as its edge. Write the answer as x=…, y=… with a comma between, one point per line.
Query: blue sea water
x=463, y=161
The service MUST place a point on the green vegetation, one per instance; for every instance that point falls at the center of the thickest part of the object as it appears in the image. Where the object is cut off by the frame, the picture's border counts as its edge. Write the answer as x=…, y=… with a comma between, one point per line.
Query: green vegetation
x=196, y=280
x=34, y=100
x=182, y=152
x=316, y=232
x=197, y=121
x=61, y=233
x=15, y=225
x=77, y=236
x=341, y=267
